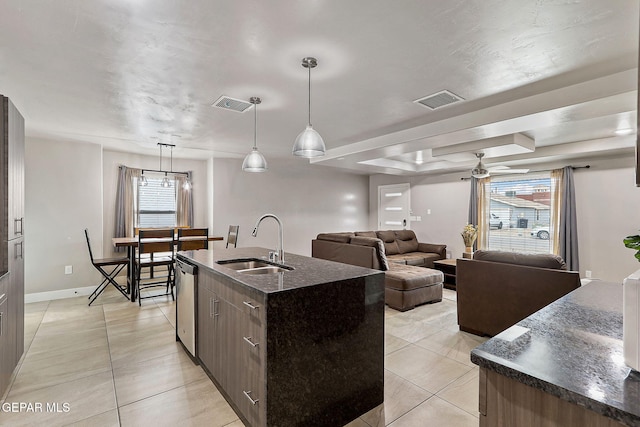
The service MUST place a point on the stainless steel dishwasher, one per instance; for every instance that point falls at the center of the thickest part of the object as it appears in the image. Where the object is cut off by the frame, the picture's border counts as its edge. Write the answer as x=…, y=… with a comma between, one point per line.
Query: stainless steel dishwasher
x=186, y=278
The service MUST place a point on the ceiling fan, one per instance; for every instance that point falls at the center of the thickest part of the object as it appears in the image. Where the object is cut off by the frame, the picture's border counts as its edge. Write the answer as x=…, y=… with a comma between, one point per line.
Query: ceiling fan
x=480, y=171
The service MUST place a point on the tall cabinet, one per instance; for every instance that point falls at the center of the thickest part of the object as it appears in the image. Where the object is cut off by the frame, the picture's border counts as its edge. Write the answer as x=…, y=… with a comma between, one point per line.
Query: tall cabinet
x=12, y=245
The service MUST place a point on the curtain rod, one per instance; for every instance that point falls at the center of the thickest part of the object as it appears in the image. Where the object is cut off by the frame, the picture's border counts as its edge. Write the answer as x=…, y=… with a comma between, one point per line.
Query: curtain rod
x=541, y=170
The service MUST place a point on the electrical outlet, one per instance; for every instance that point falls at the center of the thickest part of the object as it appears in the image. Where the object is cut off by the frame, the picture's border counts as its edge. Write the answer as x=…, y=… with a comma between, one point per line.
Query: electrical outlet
x=588, y=274
x=68, y=269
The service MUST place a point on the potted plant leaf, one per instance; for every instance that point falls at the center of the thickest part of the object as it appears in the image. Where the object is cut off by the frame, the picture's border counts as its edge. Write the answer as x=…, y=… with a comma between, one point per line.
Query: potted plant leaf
x=633, y=242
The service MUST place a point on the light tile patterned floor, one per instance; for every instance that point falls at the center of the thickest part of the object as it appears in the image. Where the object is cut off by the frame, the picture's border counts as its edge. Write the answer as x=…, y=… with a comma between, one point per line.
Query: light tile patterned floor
x=116, y=364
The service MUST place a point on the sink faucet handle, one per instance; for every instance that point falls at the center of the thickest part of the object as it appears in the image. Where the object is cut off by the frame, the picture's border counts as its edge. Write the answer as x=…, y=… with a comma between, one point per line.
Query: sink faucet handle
x=273, y=256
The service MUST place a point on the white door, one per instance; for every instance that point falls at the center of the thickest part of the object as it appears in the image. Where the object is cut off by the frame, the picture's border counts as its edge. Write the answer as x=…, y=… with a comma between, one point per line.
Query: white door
x=393, y=207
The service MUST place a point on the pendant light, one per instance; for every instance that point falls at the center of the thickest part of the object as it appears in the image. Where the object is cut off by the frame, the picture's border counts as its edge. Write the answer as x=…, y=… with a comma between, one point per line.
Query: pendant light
x=254, y=161
x=165, y=181
x=143, y=180
x=309, y=143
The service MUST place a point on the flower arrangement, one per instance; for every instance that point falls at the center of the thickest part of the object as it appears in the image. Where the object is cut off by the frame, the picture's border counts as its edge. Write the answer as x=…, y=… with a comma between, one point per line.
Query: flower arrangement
x=469, y=234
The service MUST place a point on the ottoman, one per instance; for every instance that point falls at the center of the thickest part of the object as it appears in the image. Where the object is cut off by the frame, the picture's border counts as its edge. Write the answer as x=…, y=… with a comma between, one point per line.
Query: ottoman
x=407, y=286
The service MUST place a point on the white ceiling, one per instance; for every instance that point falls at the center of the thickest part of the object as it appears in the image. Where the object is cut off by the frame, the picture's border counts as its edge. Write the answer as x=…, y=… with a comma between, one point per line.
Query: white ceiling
x=131, y=73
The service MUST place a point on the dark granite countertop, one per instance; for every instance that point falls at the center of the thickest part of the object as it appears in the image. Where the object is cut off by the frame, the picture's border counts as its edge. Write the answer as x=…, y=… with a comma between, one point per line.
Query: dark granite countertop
x=571, y=349
x=307, y=271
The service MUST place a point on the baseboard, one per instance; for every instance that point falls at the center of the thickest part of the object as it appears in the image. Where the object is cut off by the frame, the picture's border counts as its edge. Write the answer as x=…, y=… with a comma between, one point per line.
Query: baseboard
x=63, y=293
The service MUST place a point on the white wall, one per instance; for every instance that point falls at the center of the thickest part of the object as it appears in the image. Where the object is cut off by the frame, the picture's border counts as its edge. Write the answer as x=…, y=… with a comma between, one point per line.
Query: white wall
x=308, y=199
x=63, y=186
x=607, y=205
x=446, y=196
x=113, y=159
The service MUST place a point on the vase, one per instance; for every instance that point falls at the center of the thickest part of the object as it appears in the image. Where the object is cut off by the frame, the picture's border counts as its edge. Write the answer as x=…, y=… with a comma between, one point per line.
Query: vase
x=468, y=249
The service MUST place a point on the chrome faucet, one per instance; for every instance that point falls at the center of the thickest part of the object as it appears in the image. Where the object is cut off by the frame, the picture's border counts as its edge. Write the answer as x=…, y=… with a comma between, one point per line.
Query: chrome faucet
x=279, y=256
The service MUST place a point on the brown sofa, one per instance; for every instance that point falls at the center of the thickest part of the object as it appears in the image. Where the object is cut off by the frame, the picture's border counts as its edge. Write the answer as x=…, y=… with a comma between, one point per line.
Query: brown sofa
x=408, y=280
x=495, y=289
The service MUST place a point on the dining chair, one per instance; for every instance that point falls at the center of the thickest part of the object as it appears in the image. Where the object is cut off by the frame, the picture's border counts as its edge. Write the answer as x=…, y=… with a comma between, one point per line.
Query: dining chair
x=109, y=268
x=192, y=239
x=232, y=237
x=159, y=245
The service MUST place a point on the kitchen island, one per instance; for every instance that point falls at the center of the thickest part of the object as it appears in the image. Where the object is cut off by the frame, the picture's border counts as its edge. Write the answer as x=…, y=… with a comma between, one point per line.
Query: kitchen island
x=561, y=366
x=303, y=346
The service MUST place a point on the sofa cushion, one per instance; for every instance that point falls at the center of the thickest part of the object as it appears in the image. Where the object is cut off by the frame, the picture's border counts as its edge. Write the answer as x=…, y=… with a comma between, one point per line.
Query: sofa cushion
x=414, y=259
x=551, y=261
x=397, y=259
x=407, y=277
x=389, y=239
x=373, y=242
x=407, y=241
x=367, y=234
x=336, y=237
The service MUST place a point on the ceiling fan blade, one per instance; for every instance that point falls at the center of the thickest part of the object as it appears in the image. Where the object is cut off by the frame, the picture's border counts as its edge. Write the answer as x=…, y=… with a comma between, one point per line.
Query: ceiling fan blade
x=508, y=171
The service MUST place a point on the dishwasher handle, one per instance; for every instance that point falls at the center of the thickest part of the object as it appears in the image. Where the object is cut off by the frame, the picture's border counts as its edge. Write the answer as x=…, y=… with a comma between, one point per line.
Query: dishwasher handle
x=186, y=267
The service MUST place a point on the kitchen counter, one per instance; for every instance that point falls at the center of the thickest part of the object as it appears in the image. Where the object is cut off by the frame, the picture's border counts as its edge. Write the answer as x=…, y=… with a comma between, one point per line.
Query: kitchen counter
x=571, y=350
x=302, y=347
x=307, y=271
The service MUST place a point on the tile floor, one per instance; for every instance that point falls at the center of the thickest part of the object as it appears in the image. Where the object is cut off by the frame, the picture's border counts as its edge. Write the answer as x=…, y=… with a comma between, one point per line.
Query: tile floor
x=115, y=364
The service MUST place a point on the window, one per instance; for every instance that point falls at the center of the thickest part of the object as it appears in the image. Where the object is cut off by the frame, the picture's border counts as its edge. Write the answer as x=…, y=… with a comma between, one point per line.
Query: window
x=518, y=212
x=156, y=204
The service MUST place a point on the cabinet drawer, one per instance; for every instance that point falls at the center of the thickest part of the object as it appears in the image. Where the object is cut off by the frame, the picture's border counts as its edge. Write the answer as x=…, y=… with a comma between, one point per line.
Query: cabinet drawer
x=249, y=301
x=253, y=344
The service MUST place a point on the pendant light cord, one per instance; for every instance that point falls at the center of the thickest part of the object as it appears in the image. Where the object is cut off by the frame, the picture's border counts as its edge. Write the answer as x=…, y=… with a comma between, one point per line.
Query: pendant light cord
x=255, y=126
x=309, y=67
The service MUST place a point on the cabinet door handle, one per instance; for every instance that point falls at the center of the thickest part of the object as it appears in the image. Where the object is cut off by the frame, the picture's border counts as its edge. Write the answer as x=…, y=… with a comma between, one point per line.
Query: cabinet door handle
x=213, y=312
x=1, y=324
x=251, y=343
x=248, y=395
x=18, y=254
x=248, y=304
x=15, y=226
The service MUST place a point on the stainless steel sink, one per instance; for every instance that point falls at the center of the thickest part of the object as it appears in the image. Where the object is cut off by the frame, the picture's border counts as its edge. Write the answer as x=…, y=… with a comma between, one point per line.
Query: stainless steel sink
x=254, y=266
x=243, y=265
x=271, y=269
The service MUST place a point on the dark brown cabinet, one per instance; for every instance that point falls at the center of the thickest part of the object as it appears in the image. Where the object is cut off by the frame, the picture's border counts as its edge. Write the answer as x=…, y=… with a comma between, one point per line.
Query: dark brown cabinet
x=6, y=347
x=12, y=226
x=231, y=343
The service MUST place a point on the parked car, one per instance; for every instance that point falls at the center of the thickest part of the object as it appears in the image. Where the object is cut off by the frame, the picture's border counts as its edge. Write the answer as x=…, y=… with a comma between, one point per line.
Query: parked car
x=495, y=221
x=541, y=232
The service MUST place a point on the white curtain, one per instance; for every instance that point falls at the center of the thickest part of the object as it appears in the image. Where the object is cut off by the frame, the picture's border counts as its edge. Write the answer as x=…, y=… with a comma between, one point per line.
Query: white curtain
x=484, y=202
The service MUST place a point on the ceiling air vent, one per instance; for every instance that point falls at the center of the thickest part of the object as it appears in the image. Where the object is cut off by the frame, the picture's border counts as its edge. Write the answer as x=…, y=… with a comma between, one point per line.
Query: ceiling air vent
x=232, y=104
x=439, y=99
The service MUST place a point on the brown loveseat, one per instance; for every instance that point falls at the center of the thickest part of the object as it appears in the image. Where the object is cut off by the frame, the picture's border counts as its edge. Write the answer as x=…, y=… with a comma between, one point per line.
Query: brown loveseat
x=408, y=280
x=495, y=290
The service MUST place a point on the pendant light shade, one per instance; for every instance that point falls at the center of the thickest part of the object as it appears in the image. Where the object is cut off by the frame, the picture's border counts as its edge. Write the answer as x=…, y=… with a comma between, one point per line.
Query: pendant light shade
x=165, y=181
x=255, y=161
x=143, y=180
x=309, y=143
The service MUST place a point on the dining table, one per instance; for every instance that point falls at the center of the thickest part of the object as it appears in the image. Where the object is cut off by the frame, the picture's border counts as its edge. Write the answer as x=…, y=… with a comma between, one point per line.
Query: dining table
x=131, y=243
